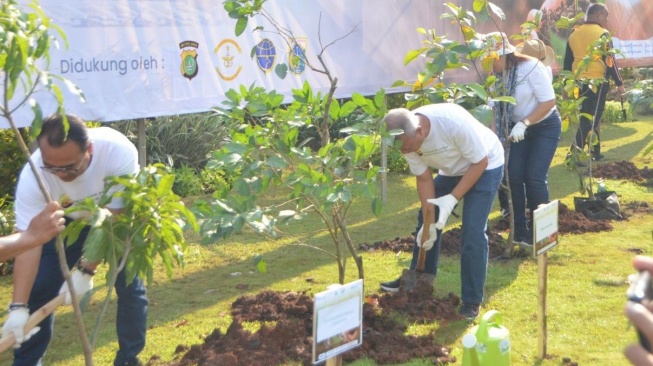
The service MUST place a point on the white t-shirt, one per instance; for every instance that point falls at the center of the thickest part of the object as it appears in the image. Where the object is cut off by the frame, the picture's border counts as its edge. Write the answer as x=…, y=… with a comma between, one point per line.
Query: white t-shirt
x=113, y=155
x=456, y=141
x=534, y=85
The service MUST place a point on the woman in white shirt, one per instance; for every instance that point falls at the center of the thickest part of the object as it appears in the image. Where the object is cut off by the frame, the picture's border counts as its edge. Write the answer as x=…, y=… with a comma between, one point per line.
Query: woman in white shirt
x=534, y=127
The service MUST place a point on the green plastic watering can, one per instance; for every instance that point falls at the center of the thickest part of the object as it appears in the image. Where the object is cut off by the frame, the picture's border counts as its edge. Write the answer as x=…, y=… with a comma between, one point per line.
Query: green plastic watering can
x=488, y=343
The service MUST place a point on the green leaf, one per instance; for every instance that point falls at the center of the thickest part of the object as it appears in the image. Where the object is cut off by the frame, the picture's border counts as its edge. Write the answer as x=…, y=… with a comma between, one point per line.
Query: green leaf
x=261, y=264
x=479, y=5
x=281, y=70
x=241, y=24
x=412, y=55
x=276, y=162
x=497, y=11
x=334, y=110
x=379, y=99
x=348, y=108
x=165, y=185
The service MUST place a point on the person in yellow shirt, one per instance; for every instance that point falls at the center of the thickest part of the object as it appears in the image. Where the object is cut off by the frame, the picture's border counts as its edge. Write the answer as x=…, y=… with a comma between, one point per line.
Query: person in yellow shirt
x=577, y=47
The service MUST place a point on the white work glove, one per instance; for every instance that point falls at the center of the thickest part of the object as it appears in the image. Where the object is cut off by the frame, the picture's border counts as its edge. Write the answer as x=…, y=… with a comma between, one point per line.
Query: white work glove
x=428, y=243
x=82, y=284
x=518, y=131
x=16, y=324
x=446, y=204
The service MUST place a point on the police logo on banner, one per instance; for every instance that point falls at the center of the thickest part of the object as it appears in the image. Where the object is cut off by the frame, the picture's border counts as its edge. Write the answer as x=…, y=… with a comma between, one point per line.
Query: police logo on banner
x=266, y=55
x=189, y=67
x=297, y=61
x=227, y=63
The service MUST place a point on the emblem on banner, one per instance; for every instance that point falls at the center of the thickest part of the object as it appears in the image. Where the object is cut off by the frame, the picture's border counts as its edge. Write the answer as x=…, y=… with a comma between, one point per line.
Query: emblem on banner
x=226, y=52
x=266, y=55
x=297, y=60
x=189, y=67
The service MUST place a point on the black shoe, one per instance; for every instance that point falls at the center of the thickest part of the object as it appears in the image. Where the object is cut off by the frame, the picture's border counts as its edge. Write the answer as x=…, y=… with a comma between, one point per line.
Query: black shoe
x=469, y=311
x=598, y=157
x=391, y=286
x=505, y=213
x=524, y=238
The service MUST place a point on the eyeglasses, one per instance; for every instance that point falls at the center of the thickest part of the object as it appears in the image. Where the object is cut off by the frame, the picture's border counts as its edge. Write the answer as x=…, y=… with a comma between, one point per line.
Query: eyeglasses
x=69, y=169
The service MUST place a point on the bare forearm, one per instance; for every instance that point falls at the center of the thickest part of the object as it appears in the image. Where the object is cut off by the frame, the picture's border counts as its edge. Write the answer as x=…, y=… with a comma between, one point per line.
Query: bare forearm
x=541, y=111
x=25, y=269
x=425, y=191
x=12, y=245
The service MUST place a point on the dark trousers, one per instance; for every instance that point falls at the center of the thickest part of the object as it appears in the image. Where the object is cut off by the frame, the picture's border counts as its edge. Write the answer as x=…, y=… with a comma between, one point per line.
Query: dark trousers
x=594, y=105
x=130, y=321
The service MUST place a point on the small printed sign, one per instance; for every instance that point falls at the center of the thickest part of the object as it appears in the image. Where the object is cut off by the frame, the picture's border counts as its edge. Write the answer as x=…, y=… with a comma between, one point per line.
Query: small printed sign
x=337, y=320
x=545, y=227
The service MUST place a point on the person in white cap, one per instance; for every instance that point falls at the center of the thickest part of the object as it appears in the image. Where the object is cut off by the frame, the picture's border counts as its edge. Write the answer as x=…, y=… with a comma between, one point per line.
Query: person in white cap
x=534, y=124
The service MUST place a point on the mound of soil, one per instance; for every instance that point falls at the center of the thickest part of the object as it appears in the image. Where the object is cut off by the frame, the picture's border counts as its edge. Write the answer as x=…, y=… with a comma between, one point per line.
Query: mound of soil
x=286, y=326
x=569, y=221
x=624, y=170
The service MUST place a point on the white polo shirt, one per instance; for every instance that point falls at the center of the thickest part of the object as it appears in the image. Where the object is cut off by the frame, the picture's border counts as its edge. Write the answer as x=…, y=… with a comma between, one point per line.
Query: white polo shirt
x=455, y=142
x=113, y=155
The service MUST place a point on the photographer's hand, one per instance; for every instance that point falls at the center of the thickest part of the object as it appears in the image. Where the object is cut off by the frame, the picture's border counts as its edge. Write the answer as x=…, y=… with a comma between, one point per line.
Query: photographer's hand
x=641, y=316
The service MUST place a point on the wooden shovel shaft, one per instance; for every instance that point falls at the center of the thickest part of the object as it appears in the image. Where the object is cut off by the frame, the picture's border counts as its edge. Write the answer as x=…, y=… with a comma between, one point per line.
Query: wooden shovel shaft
x=421, y=259
x=8, y=340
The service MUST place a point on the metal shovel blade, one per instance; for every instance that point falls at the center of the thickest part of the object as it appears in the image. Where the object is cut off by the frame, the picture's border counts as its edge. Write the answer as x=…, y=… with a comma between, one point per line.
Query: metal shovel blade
x=411, y=278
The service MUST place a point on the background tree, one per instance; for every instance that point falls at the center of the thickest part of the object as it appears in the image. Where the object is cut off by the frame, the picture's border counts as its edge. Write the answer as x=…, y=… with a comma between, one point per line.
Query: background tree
x=325, y=178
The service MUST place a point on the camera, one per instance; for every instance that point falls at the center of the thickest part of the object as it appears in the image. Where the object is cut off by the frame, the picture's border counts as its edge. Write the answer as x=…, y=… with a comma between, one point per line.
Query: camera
x=640, y=291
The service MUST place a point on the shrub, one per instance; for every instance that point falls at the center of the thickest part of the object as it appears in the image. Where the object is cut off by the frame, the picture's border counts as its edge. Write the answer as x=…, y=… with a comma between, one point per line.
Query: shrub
x=613, y=112
x=213, y=180
x=396, y=162
x=179, y=140
x=642, y=97
x=6, y=217
x=187, y=182
x=6, y=227
x=11, y=162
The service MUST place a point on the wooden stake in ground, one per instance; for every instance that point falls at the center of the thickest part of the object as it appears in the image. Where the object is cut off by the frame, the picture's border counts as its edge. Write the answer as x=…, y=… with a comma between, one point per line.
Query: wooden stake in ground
x=545, y=237
x=541, y=313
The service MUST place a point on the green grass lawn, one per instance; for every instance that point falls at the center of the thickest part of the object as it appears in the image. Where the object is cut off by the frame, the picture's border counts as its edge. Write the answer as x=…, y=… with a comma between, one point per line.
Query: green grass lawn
x=586, y=276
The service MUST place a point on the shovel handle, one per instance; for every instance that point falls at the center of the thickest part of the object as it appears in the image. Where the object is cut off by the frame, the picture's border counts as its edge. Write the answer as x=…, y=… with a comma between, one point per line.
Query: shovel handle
x=8, y=340
x=421, y=259
x=624, y=116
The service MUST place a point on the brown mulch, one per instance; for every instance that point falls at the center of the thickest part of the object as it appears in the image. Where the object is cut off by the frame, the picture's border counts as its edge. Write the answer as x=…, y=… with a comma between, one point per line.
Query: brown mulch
x=624, y=170
x=285, y=334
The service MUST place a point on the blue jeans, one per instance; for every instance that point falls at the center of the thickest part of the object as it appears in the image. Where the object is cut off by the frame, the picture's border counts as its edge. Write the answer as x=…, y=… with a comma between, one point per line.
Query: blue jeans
x=131, y=314
x=477, y=205
x=528, y=167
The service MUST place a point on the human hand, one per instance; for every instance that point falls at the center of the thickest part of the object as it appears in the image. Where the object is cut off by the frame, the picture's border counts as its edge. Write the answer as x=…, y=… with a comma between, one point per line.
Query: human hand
x=82, y=284
x=428, y=243
x=621, y=90
x=641, y=316
x=46, y=225
x=518, y=131
x=16, y=324
x=446, y=204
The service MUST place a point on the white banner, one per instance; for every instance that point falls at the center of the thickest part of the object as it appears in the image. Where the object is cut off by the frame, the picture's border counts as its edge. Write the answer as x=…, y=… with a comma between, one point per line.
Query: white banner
x=136, y=59
x=149, y=58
